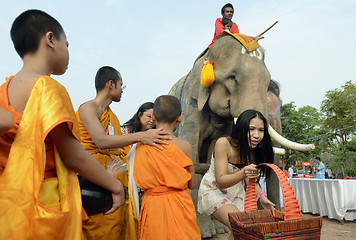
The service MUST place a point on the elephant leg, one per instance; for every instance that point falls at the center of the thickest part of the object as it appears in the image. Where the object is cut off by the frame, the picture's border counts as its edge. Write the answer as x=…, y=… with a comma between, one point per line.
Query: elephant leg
x=220, y=227
x=273, y=188
x=206, y=226
x=205, y=223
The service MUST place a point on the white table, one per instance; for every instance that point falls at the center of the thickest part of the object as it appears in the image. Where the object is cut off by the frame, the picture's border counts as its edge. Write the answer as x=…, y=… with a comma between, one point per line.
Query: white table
x=327, y=197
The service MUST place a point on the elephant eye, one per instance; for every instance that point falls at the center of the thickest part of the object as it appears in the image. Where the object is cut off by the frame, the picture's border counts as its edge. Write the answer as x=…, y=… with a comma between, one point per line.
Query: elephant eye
x=231, y=84
x=232, y=77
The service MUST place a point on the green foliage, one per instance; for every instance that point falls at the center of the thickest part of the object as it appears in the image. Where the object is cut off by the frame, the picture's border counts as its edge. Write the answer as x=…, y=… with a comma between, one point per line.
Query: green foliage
x=351, y=169
x=339, y=109
x=351, y=145
x=332, y=130
x=303, y=125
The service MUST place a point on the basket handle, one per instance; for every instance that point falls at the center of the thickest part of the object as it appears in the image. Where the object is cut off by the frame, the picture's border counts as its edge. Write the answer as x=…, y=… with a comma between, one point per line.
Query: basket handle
x=291, y=205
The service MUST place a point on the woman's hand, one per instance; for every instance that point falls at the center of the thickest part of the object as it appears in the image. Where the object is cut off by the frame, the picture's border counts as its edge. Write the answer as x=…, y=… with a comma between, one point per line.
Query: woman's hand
x=251, y=171
x=266, y=204
x=118, y=198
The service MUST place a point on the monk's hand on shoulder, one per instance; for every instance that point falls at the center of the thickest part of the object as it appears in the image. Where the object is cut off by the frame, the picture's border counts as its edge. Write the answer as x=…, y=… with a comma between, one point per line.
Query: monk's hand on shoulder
x=118, y=197
x=251, y=171
x=155, y=136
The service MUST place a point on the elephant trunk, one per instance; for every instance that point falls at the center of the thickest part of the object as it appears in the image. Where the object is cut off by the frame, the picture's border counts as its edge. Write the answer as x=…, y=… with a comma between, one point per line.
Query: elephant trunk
x=287, y=143
x=250, y=98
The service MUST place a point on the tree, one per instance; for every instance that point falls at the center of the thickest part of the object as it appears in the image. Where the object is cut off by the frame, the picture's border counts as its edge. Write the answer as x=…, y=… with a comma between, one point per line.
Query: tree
x=304, y=126
x=339, y=108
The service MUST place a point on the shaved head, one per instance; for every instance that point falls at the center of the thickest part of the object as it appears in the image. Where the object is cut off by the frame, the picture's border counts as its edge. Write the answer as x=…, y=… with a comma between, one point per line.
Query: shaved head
x=166, y=109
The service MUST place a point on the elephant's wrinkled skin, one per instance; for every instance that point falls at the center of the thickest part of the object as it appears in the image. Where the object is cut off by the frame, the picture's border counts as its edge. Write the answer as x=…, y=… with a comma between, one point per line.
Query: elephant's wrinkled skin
x=241, y=82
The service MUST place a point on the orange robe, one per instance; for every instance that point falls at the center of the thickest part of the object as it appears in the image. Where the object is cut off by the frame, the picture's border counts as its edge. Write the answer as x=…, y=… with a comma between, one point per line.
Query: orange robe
x=167, y=210
x=8, y=138
x=121, y=224
x=33, y=207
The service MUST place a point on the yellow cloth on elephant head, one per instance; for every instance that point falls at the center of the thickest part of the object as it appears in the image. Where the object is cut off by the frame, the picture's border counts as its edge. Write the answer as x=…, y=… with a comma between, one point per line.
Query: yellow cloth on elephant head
x=30, y=207
x=246, y=41
x=121, y=224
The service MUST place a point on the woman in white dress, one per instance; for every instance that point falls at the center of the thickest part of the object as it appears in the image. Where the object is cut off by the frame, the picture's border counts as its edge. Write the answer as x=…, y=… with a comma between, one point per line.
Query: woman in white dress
x=234, y=160
x=141, y=121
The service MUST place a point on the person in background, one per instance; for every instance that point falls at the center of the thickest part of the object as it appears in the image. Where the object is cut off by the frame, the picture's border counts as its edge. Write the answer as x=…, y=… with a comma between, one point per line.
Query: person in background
x=141, y=121
x=290, y=171
x=328, y=172
x=320, y=169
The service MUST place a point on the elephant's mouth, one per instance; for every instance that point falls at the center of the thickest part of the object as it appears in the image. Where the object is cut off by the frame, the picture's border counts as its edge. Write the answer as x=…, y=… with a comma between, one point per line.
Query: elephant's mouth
x=218, y=121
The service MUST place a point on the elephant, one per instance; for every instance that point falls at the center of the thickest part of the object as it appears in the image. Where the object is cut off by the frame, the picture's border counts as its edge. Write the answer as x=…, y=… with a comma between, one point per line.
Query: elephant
x=241, y=82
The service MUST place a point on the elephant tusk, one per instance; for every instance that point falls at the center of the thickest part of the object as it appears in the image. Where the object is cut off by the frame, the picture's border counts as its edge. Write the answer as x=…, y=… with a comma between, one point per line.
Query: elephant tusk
x=279, y=151
x=287, y=143
x=235, y=120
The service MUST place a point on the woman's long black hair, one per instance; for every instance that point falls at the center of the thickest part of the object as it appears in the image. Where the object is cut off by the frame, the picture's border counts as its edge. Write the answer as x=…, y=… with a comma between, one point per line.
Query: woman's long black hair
x=240, y=136
x=134, y=124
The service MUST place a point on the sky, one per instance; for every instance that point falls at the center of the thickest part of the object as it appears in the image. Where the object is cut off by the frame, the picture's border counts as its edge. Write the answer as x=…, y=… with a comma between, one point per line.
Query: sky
x=153, y=44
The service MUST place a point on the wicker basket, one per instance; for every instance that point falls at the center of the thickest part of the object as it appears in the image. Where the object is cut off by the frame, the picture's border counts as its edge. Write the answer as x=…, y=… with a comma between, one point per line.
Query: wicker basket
x=273, y=224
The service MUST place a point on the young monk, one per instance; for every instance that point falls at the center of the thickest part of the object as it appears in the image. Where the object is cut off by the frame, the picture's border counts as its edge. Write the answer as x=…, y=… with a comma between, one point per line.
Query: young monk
x=167, y=210
x=101, y=136
x=40, y=155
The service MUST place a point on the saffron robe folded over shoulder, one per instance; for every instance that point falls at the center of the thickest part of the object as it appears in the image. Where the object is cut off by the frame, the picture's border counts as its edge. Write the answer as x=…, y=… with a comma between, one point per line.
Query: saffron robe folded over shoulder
x=122, y=224
x=167, y=210
x=8, y=138
x=31, y=207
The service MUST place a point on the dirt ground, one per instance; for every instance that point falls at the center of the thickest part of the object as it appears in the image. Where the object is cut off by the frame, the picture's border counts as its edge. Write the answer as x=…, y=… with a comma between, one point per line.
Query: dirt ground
x=332, y=230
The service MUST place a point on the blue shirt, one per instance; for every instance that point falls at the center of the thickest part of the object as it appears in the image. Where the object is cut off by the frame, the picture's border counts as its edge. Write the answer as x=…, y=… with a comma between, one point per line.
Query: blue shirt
x=321, y=173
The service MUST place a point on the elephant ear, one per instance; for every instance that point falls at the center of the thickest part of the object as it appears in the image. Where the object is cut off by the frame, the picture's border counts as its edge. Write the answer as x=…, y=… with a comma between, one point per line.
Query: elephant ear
x=198, y=91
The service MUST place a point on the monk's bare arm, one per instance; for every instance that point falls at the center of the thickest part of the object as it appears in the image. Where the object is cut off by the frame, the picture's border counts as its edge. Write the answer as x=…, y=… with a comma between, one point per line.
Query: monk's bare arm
x=6, y=121
x=90, y=119
x=77, y=159
x=187, y=149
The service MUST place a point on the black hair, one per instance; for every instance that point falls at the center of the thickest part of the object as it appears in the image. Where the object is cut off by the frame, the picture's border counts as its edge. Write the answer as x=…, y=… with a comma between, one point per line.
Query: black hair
x=317, y=158
x=226, y=21
x=134, y=124
x=273, y=86
x=240, y=137
x=28, y=29
x=167, y=109
x=226, y=6
x=105, y=74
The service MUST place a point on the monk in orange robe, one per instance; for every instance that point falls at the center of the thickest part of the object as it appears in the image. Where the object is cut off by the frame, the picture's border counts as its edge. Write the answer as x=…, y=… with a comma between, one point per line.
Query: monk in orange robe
x=39, y=190
x=167, y=210
x=101, y=136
